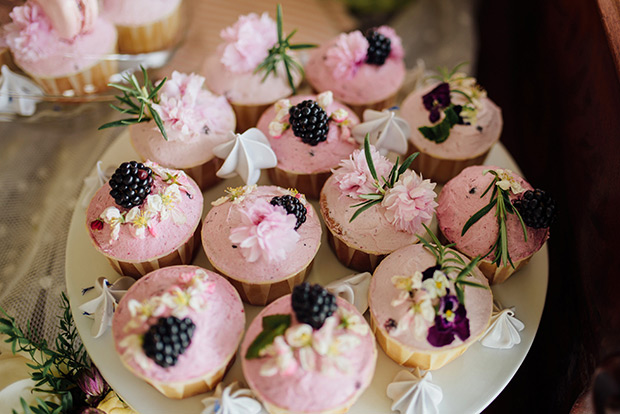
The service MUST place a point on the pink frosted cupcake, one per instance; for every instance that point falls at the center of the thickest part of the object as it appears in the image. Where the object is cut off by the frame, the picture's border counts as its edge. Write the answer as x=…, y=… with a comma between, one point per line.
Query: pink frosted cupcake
x=146, y=217
x=144, y=25
x=363, y=71
x=317, y=362
x=422, y=314
x=473, y=190
x=63, y=45
x=451, y=131
x=194, y=122
x=367, y=219
x=245, y=67
x=263, y=239
x=309, y=135
x=167, y=320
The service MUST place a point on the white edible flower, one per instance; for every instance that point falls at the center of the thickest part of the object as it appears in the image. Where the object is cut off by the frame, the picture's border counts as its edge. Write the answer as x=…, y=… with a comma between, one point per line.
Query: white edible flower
x=282, y=360
x=167, y=202
x=420, y=313
x=299, y=336
x=282, y=107
x=408, y=282
x=508, y=182
x=114, y=218
x=340, y=115
x=276, y=129
x=436, y=286
x=141, y=220
x=324, y=99
x=353, y=322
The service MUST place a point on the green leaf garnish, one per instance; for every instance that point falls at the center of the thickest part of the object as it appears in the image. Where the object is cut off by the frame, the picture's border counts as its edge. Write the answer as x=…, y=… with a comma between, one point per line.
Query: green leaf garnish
x=382, y=186
x=137, y=100
x=279, y=53
x=273, y=326
x=440, y=132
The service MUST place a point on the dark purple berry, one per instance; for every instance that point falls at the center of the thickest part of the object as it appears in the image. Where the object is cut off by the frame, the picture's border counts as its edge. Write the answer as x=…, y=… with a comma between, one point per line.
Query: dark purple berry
x=309, y=122
x=292, y=205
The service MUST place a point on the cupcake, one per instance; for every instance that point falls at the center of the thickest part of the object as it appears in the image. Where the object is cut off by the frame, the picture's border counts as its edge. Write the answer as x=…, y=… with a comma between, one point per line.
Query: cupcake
x=263, y=239
x=309, y=135
x=193, y=310
x=192, y=122
x=320, y=356
x=363, y=71
x=63, y=45
x=369, y=217
x=252, y=68
x=453, y=124
x=506, y=239
x=428, y=305
x=146, y=217
x=144, y=25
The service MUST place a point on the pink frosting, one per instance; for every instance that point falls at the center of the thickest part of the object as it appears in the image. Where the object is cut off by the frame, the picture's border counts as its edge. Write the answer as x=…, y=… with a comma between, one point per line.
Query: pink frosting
x=457, y=204
x=218, y=327
x=309, y=391
x=265, y=231
x=247, y=42
x=293, y=155
x=406, y=261
x=465, y=141
x=168, y=234
x=230, y=260
x=195, y=120
x=353, y=176
x=41, y=51
x=138, y=12
x=337, y=66
x=371, y=231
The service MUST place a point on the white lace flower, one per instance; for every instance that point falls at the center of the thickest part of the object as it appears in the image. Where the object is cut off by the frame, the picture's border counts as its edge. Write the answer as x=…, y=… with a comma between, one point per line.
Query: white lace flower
x=436, y=286
x=507, y=181
x=141, y=221
x=324, y=99
x=165, y=204
x=114, y=218
x=282, y=107
x=282, y=360
x=276, y=129
x=299, y=336
x=352, y=322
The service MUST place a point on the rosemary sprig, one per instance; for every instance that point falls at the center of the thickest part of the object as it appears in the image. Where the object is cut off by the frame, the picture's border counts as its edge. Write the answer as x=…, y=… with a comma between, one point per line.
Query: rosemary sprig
x=382, y=185
x=450, y=261
x=501, y=200
x=278, y=53
x=137, y=100
x=54, y=371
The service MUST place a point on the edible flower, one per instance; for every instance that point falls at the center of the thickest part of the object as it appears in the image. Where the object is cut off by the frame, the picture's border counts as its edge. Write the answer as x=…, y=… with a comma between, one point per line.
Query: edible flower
x=450, y=321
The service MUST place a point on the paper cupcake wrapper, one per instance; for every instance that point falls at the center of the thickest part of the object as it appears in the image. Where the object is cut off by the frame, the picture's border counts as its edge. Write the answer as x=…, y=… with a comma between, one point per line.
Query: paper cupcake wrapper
x=204, y=174
x=352, y=257
x=92, y=80
x=497, y=275
x=441, y=170
x=309, y=185
x=183, y=255
x=265, y=293
x=248, y=115
x=409, y=357
x=159, y=35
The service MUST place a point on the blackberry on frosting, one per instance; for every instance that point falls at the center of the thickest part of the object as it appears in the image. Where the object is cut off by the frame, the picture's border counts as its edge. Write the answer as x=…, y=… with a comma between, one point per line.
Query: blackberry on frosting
x=537, y=209
x=379, y=47
x=312, y=304
x=131, y=184
x=309, y=122
x=292, y=205
x=167, y=339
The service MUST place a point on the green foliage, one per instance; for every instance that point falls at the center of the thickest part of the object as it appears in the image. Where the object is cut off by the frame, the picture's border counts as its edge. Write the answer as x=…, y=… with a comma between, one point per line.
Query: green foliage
x=273, y=326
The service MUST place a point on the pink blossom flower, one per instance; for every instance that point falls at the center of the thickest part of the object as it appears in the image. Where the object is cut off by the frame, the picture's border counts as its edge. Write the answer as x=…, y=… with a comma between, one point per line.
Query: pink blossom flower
x=410, y=203
x=353, y=176
x=396, y=44
x=248, y=41
x=347, y=55
x=30, y=36
x=265, y=231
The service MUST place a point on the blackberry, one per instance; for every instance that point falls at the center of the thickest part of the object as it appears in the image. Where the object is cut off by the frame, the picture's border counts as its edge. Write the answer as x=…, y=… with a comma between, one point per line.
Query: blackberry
x=537, y=209
x=379, y=47
x=312, y=304
x=292, y=205
x=309, y=122
x=168, y=339
x=131, y=183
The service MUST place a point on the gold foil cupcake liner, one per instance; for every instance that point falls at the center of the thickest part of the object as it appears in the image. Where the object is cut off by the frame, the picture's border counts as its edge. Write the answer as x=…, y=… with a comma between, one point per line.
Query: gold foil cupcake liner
x=92, y=80
x=150, y=37
x=182, y=255
x=309, y=185
x=441, y=170
x=497, y=275
x=204, y=174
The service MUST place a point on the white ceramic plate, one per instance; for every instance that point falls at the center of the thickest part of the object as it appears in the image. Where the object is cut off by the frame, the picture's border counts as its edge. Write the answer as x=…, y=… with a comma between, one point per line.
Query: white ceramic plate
x=469, y=383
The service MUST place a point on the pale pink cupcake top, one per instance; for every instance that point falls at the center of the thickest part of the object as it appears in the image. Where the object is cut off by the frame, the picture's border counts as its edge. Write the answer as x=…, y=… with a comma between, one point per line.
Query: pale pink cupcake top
x=230, y=70
x=250, y=240
x=464, y=141
x=195, y=121
x=340, y=66
x=460, y=199
x=332, y=381
x=296, y=156
x=168, y=217
x=398, y=287
x=138, y=12
x=67, y=41
x=212, y=304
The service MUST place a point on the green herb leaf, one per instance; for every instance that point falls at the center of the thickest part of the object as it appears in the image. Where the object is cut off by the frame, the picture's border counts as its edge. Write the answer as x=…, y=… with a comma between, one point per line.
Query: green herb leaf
x=368, y=155
x=440, y=132
x=407, y=163
x=478, y=215
x=271, y=330
x=364, y=208
x=273, y=321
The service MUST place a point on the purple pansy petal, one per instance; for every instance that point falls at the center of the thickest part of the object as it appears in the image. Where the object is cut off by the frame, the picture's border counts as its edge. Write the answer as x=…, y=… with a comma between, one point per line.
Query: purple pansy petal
x=434, y=115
